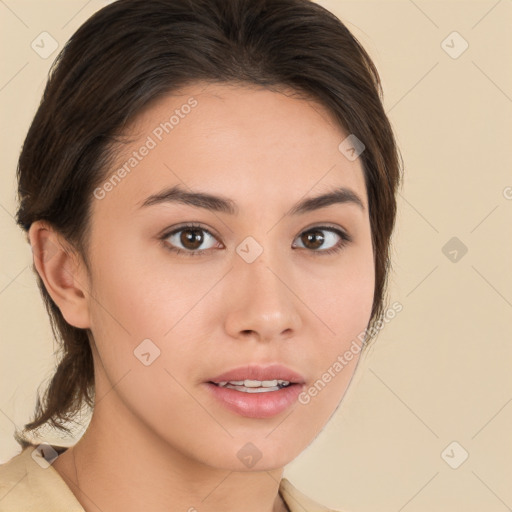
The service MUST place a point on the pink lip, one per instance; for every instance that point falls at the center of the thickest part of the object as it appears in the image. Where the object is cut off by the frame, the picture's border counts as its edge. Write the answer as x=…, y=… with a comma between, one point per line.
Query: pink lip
x=257, y=405
x=255, y=372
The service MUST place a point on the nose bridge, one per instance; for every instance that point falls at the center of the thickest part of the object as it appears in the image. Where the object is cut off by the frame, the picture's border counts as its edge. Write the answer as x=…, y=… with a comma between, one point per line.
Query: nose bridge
x=262, y=302
x=262, y=274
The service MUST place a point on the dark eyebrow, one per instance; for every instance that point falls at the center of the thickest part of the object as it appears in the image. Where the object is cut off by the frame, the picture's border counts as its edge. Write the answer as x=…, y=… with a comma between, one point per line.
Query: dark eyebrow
x=224, y=205
x=340, y=195
x=198, y=199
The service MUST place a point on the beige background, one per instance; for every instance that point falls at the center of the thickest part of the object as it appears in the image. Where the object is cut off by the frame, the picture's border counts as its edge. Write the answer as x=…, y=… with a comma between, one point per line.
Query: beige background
x=440, y=370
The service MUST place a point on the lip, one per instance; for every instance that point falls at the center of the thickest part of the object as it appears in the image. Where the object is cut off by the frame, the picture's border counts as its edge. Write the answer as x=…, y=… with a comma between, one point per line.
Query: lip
x=256, y=372
x=257, y=405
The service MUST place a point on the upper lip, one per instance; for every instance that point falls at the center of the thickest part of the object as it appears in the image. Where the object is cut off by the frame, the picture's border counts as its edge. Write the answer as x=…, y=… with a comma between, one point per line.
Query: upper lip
x=256, y=372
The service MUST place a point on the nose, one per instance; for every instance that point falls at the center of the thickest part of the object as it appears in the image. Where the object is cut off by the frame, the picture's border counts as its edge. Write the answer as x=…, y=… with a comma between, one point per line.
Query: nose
x=262, y=303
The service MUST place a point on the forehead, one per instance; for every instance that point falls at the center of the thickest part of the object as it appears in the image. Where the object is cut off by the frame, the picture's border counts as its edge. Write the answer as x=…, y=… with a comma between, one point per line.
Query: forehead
x=243, y=142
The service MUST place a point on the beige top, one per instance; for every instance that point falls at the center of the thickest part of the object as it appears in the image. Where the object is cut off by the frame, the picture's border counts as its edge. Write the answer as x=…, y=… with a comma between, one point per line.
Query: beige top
x=27, y=486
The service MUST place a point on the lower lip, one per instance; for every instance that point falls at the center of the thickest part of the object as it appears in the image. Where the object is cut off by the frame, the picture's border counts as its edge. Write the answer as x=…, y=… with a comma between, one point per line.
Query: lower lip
x=256, y=405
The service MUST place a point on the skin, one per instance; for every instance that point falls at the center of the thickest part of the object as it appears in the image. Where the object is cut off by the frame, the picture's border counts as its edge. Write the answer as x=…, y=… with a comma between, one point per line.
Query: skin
x=156, y=436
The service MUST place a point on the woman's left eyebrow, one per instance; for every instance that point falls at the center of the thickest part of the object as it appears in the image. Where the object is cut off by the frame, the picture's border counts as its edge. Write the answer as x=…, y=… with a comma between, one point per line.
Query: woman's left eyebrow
x=341, y=195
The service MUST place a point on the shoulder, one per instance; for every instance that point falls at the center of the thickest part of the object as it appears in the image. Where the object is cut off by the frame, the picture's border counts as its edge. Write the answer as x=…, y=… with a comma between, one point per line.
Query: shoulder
x=297, y=501
x=29, y=483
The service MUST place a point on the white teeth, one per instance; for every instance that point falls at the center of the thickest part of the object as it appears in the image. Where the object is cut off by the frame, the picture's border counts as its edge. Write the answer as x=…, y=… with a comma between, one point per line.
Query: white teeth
x=254, y=383
x=254, y=390
x=255, y=386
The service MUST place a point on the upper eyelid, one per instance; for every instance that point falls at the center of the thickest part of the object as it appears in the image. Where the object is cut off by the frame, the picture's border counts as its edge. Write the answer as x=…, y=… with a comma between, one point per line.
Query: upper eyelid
x=337, y=229
x=168, y=233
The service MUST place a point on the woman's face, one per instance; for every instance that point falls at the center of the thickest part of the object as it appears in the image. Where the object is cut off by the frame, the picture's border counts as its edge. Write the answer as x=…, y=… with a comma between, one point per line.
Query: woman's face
x=275, y=292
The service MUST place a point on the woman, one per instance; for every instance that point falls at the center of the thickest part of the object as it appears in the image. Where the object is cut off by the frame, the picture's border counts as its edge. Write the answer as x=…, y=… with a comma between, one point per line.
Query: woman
x=209, y=191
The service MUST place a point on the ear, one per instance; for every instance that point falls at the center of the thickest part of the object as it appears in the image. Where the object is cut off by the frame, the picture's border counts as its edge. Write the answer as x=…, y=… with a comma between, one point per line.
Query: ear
x=63, y=273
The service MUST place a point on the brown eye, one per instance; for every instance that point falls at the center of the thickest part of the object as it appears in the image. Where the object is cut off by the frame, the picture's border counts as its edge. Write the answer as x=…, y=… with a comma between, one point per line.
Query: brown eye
x=190, y=240
x=323, y=240
x=312, y=239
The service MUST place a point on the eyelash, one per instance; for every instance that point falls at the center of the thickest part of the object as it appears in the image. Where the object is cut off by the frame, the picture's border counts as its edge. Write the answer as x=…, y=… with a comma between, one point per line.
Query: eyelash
x=345, y=240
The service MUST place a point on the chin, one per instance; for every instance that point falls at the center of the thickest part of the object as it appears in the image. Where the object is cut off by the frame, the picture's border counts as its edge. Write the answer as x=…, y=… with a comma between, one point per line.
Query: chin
x=260, y=452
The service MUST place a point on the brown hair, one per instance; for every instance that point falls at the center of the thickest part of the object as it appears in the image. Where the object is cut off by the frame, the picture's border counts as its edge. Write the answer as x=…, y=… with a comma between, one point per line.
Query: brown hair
x=136, y=51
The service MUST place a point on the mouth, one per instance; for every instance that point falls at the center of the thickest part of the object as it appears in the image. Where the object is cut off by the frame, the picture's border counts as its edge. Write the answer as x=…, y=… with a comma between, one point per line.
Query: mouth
x=254, y=386
x=257, y=391
x=253, y=376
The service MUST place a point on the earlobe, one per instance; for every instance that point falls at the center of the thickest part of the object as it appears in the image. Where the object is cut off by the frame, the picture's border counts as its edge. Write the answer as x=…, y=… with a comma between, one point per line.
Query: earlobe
x=62, y=273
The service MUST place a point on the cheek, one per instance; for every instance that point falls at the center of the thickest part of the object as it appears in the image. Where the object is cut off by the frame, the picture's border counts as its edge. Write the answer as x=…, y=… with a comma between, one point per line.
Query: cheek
x=342, y=302
x=342, y=294
x=136, y=293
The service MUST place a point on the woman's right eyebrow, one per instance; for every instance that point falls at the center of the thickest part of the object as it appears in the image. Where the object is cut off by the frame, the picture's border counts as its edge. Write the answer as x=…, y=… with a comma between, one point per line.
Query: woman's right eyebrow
x=341, y=195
